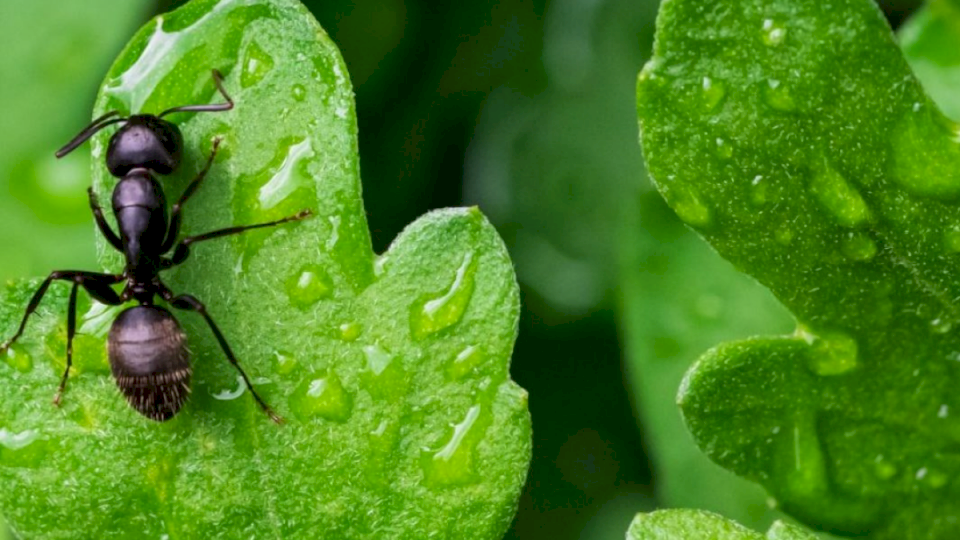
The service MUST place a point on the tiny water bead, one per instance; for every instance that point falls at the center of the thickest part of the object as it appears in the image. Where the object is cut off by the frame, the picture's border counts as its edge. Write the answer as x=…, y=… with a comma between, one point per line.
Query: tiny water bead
x=433, y=313
x=230, y=394
x=759, y=188
x=309, y=285
x=941, y=325
x=455, y=462
x=256, y=64
x=841, y=199
x=286, y=363
x=384, y=376
x=723, y=148
x=772, y=33
x=883, y=468
x=323, y=396
x=951, y=240
x=777, y=95
x=713, y=93
x=685, y=201
x=859, y=246
x=350, y=331
x=299, y=92
x=17, y=441
x=466, y=362
x=831, y=352
x=17, y=358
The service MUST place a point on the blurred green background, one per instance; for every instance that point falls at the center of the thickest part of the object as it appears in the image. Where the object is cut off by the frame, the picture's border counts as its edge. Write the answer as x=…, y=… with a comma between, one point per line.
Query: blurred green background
x=523, y=107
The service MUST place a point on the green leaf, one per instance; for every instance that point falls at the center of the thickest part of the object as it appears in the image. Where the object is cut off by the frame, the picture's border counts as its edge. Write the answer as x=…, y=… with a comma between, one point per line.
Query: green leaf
x=700, y=525
x=795, y=139
x=391, y=371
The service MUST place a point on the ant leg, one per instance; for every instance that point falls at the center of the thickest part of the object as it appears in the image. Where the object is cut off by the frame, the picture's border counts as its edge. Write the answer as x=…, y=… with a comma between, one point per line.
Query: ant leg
x=218, y=81
x=102, y=222
x=98, y=289
x=189, y=303
x=183, y=248
x=174, y=230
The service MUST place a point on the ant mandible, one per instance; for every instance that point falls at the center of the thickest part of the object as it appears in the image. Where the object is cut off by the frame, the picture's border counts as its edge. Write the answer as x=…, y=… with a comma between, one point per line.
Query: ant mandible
x=146, y=345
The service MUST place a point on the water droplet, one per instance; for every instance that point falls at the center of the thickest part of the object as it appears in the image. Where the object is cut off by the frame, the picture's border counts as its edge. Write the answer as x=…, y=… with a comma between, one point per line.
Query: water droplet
x=334, y=233
x=350, y=331
x=841, y=199
x=433, y=313
x=286, y=363
x=941, y=325
x=324, y=397
x=256, y=64
x=384, y=376
x=758, y=190
x=884, y=469
x=951, y=240
x=17, y=441
x=723, y=150
x=18, y=359
x=921, y=473
x=455, y=462
x=465, y=362
x=685, y=201
x=713, y=93
x=299, y=92
x=171, y=55
x=773, y=33
x=858, y=246
x=831, y=352
x=935, y=479
x=309, y=285
x=944, y=411
x=284, y=187
x=231, y=394
x=777, y=95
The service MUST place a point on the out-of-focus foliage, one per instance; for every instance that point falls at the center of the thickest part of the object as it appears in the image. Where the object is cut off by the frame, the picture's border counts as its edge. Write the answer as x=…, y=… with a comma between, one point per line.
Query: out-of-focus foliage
x=54, y=55
x=561, y=174
x=930, y=41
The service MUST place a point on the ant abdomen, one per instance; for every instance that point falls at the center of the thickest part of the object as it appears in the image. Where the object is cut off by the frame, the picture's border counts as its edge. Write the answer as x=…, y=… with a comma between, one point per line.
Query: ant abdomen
x=150, y=361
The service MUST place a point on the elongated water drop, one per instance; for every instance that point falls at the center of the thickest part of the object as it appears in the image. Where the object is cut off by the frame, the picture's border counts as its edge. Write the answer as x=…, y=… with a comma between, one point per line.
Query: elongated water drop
x=256, y=64
x=433, y=313
x=466, y=362
x=455, y=462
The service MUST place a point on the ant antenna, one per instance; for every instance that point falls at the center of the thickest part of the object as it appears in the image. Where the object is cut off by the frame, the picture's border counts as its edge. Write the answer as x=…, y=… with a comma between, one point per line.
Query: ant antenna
x=218, y=81
x=89, y=131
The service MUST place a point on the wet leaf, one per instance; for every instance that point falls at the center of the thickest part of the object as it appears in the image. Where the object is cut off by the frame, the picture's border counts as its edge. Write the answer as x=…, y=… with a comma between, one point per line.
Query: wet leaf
x=391, y=371
x=700, y=525
x=797, y=142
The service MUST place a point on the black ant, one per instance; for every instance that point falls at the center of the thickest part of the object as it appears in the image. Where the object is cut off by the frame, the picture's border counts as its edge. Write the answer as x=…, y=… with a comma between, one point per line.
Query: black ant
x=147, y=347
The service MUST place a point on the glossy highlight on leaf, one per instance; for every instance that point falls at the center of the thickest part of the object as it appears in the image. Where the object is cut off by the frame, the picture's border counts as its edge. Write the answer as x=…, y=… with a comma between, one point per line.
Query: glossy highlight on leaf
x=394, y=429
x=826, y=173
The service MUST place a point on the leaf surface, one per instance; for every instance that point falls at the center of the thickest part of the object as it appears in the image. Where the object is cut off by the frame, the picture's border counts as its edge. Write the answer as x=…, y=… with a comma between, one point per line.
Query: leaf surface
x=700, y=525
x=391, y=371
x=795, y=139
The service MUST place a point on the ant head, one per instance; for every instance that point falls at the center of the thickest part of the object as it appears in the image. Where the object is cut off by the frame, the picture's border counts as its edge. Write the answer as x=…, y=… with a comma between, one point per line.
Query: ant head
x=145, y=141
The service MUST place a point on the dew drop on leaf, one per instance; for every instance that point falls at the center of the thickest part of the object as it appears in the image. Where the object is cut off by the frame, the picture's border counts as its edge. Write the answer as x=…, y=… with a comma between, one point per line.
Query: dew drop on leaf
x=777, y=95
x=307, y=286
x=299, y=92
x=256, y=64
x=350, y=331
x=713, y=93
x=831, y=352
x=772, y=33
x=18, y=359
x=453, y=464
x=229, y=394
x=723, y=148
x=435, y=312
x=841, y=199
x=286, y=362
x=465, y=362
x=858, y=246
x=384, y=376
x=325, y=397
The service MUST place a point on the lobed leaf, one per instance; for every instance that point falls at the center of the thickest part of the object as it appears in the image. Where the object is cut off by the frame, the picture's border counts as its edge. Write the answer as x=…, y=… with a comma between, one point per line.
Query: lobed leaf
x=794, y=138
x=391, y=371
x=700, y=525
